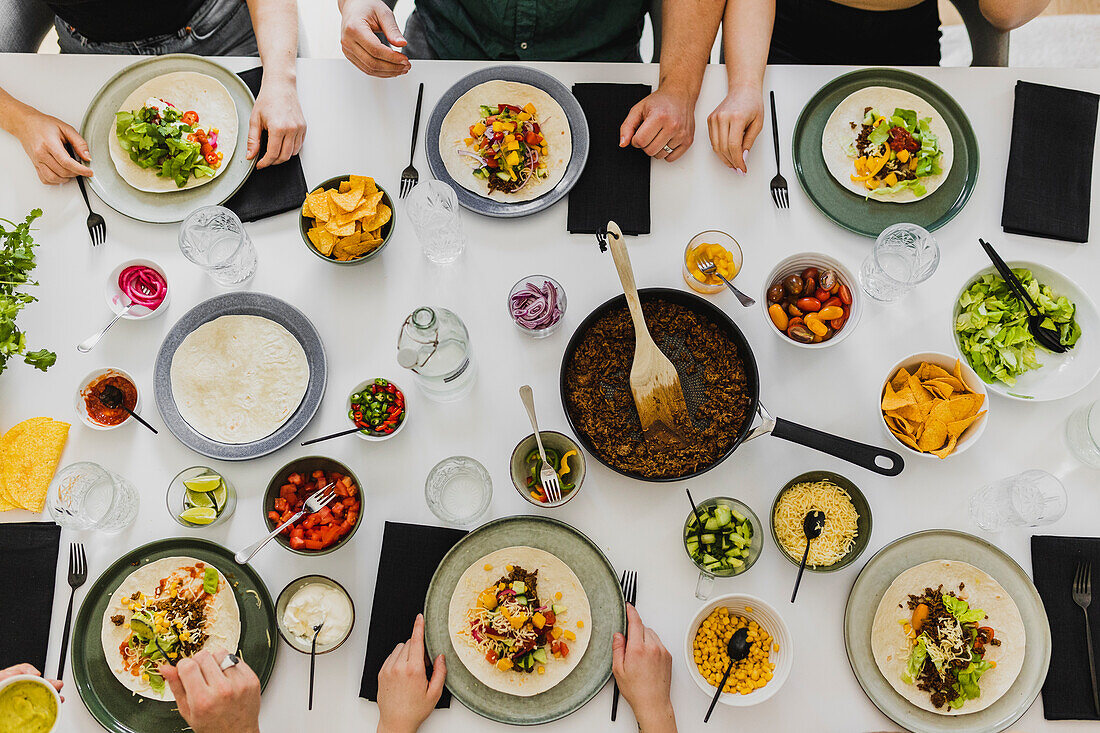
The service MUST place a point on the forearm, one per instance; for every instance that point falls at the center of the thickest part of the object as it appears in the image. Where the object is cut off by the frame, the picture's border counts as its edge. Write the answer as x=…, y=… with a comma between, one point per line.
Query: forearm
x=688, y=31
x=275, y=23
x=1008, y=14
x=661, y=719
x=746, y=37
x=11, y=111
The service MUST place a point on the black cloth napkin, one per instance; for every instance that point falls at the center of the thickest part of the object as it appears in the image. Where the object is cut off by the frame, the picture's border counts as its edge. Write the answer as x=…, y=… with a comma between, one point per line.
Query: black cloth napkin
x=28, y=564
x=272, y=190
x=1067, y=692
x=410, y=555
x=1050, y=163
x=615, y=181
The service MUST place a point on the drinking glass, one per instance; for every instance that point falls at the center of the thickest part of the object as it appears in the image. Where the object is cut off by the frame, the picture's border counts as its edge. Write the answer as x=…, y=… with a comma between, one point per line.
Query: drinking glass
x=85, y=495
x=176, y=497
x=904, y=255
x=433, y=211
x=214, y=239
x=705, y=585
x=1030, y=499
x=458, y=490
x=1083, y=434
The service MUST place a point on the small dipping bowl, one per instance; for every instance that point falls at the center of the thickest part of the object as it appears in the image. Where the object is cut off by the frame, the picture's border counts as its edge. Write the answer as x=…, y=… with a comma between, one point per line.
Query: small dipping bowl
x=40, y=682
x=539, y=282
x=116, y=299
x=551, y=440
x=83, y=391
x=863, y=523
x=693, y=277
x=369, y=437
x=295, y=641
x=705, y=585
x=176, y=497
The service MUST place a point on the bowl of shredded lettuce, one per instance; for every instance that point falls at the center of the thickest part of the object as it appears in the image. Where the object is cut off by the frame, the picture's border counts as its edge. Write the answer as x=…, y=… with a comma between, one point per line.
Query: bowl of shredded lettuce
x=990, y=328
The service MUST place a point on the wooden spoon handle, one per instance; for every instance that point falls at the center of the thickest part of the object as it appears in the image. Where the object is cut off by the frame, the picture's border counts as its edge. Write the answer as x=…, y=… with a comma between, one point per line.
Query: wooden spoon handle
x=626, y=276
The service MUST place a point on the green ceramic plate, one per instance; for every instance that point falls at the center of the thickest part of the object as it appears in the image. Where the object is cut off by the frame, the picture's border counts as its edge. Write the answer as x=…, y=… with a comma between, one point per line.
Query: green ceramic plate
x=604, y=595
x=869, y=217
x=944, y=544
x=171, y=206
x=116, y=708
x=863, y=523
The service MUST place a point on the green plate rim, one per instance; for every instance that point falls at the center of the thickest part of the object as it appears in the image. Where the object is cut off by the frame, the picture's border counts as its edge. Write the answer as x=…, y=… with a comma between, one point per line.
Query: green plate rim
x=885, y=76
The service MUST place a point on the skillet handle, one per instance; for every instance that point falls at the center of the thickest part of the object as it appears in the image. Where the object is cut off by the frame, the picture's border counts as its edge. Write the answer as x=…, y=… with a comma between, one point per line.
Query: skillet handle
x=860, y=454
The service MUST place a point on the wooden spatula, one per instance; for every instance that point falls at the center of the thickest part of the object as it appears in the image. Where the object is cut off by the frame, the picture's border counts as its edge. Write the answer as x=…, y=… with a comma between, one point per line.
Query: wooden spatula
x=653, y=378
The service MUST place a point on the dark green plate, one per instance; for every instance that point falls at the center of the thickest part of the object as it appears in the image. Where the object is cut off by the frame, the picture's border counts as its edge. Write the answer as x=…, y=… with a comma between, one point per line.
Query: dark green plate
x=115, y=707
x=869, y=217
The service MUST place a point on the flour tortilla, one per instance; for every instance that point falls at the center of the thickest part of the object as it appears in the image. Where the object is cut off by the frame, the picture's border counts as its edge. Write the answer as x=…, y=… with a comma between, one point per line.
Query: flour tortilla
x=891, y=648
x=237, y=379
x=185, y=90
x=554, y=576
x=223, y=620
x=466, y=111
x=838, y=135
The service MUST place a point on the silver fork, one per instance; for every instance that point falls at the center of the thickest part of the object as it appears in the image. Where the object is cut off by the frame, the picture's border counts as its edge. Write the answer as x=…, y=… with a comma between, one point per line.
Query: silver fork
x=78, y=573
x=409, y=176
x=1082, y=596
x=629, y=584
x=314, y=503
x=97, y=227
x=547, y=476
x=709, y=268
x=779, y=183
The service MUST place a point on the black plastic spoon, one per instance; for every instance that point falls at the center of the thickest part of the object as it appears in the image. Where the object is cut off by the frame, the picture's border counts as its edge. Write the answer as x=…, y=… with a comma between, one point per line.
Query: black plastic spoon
x=812, y=525
x=330, y=436
x=738, y=649
x=313, y=660
x=112, y=397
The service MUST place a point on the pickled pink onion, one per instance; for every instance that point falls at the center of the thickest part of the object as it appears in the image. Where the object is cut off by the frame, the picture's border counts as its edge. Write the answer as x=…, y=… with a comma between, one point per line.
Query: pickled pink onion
x=143, y=285
x=535, y=308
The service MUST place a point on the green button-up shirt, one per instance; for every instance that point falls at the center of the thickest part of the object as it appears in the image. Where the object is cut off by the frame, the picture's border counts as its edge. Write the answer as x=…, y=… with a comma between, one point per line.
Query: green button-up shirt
x=534, y=30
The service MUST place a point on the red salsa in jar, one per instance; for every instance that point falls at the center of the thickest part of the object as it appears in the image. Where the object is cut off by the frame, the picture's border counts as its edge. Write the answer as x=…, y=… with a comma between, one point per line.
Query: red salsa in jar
x=98, y=412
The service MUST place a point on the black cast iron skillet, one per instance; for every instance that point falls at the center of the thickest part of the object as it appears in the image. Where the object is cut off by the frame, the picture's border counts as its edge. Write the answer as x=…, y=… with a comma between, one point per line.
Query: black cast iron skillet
x=879, y=460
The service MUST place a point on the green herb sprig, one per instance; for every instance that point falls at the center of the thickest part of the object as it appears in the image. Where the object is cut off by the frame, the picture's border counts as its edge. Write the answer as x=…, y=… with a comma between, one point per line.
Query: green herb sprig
x=16, y=263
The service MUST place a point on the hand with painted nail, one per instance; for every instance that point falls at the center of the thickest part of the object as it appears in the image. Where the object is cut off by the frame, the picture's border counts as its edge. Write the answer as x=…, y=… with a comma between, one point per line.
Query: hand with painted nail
x=361, y=21
x=213, y=700
x=406, y=696
x=735, y=123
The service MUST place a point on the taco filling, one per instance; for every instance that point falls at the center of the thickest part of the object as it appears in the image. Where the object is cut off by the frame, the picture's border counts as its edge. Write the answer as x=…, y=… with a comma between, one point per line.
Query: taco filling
x=160, y=137
x=894, y=151
x=508, y=147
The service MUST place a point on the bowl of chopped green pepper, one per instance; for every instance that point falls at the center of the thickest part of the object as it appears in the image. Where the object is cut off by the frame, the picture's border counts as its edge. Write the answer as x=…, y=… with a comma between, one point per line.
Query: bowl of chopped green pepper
x=561, y=453
x=378, y=408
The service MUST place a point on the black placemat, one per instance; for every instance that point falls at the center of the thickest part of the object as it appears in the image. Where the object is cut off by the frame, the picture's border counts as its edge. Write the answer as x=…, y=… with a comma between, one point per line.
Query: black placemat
x=615, y=181
x=1067, y=692
x=28, y=565
x=272, y=190
x=1050, y=163
x=410, y=555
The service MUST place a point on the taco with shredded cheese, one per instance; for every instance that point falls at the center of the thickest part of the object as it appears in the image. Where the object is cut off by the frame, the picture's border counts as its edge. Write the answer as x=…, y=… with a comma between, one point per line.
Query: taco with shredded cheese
x=948, y=637
x=519, y=620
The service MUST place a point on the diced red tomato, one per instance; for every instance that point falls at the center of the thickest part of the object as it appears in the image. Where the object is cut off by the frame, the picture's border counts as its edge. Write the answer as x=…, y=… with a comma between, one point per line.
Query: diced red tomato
x=295, y=478
x=323, y=528
x=550, y=617
x=491, y=656
x=297, y=543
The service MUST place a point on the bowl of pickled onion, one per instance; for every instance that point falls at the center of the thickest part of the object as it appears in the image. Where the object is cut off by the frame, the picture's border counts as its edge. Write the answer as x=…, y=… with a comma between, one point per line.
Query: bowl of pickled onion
x=537, y=305
x=144, y=283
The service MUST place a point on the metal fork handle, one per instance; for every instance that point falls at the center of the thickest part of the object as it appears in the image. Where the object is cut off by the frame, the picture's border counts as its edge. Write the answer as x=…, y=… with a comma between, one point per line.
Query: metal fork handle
x=249, y=552
x=775, y=131
x=68, y=625
x=528, y=399
x=416, y=122
x=89, y=343
x=79, y=179
x=1092, y=662
x=745, y=300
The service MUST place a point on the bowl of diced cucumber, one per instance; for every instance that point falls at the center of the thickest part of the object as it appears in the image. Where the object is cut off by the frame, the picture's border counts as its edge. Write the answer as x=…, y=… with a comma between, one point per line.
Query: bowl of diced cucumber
x=722, y=537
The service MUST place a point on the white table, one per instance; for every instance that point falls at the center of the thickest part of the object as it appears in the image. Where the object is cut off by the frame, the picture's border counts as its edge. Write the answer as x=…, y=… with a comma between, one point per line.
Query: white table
x=361, y=124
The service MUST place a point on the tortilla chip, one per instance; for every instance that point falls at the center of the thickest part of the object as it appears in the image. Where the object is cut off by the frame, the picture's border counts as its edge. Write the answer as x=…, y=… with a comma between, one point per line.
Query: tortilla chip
x=323, y=240
x=920, y=394
x=893, y=401
x=957, y=371
x=958, y=427
x=911, y=442
x=347, y=201
x=316, y=205
x=931, y=371
x=379, y=220
x=933, y=437
x=948, y=449
x=900, y=380
x=353, y=247
x=964, y=406
x=941, y=411
x=939, y=387
x=345, y=186
x=368, y=184
x=340, y=230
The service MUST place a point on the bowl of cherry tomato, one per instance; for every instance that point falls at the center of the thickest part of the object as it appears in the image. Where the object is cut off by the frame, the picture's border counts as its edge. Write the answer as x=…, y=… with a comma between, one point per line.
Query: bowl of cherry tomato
x=378, y=408
x=811, y=300
x=321, y=532
x=561, y=452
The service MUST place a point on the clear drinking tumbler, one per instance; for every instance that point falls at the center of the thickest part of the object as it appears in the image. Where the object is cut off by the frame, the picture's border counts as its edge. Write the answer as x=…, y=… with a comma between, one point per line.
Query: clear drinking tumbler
x=433, y=210
x=904, y=255
x=214, y=239
x=1030, y=499
x=85, y=495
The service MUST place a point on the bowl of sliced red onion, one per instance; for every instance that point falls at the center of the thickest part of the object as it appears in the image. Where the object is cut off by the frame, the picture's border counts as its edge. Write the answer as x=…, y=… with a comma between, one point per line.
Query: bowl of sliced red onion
x=141, y=282
x=537, y=304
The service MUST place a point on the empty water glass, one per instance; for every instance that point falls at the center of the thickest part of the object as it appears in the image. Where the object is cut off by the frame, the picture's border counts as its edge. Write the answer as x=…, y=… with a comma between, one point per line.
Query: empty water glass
x=1029, y=499
x=458, y=490
x=214, y=239
x=1083, y=434
x=433, y=210
x=85, y=495
x=904, y=255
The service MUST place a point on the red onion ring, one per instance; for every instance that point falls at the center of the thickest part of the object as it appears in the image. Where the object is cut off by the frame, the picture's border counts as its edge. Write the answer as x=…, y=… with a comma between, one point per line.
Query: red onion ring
x=535, y=308
x=143, y=285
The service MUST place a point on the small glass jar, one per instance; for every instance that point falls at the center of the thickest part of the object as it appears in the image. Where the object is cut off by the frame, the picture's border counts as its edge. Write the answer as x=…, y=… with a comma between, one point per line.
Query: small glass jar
x=540, y=283
x=180, y=499
x=701, y=246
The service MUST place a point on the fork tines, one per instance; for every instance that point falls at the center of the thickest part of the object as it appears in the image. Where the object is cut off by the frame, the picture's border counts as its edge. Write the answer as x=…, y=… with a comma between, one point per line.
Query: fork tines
x=780, y=196
x=78, y=561
x=407, y=183
x=1082, y=580
x=629, y=583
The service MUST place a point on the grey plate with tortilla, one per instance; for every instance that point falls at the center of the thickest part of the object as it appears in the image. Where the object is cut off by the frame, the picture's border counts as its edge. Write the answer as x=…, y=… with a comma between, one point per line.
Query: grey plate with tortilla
x=241, y=304
x=604, y=596
x=170, y=206
x=578, y=126
x=944, y=544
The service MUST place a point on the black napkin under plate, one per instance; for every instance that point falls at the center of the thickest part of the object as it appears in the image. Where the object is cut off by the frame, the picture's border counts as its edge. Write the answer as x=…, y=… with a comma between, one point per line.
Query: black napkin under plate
x=28, y=564
x=410, y=555
x=272, y=190
x=1047, y=189
x=1067, y=692
x=615, y=181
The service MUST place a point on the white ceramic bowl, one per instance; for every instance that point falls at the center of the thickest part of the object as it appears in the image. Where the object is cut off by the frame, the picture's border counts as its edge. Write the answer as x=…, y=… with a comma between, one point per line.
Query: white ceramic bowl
x=970, y=378
x=795, y=264
x=78, y=398
x=113, y=295
x=41, y=683
x=1061, y=375
x=377, y=438
x=770, y=620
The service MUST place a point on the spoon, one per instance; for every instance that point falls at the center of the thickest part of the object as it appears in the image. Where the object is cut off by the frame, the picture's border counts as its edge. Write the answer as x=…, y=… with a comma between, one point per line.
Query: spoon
x=112, y=397
x=812, y=525
x=1046, y=337
x=698, y=519
x=89, y=343
x=313, y=660
x=738, y=649
x=330, y=436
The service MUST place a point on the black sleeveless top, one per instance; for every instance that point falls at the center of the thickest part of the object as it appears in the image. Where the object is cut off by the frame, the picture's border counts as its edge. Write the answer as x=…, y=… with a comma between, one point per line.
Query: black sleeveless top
x=125, y=20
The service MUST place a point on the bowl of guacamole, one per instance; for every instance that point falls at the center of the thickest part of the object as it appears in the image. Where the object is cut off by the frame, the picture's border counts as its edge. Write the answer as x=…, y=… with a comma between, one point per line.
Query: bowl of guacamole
x=28, y=704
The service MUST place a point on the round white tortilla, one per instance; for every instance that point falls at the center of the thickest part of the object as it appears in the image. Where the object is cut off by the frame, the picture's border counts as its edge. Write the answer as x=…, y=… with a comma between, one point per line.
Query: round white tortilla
x=186, y=90
x=237, y=379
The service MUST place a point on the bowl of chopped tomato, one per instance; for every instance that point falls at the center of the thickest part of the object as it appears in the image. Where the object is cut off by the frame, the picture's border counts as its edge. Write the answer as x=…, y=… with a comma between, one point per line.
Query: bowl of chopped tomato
x=321, y=532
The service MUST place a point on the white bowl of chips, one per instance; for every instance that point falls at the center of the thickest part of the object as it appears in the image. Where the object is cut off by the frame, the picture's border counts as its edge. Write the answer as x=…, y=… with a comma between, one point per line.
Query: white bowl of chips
x=937, y=408
x=347, y=219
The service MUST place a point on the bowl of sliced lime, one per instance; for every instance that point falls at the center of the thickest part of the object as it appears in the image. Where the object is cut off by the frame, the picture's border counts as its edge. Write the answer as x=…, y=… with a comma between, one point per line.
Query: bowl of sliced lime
x=200, y=497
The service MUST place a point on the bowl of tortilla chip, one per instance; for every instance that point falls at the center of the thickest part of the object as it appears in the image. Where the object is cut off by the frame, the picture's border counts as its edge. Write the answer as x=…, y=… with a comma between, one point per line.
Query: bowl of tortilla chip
x=347, y=219
x=933, y=405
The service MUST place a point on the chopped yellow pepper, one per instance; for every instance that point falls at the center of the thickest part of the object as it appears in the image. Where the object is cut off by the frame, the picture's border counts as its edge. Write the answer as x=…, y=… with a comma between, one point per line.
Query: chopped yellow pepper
x=504, y=664
x=523, y=116
x=498, y=126
x=479, y=128
x=529, y=109
x=903, y=155
x=565, y=462
x=891, y=179
x=538, y=620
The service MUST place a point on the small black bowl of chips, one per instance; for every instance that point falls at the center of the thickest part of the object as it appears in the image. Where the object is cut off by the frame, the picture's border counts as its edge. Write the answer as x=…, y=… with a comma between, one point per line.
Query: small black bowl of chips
x=347, y=219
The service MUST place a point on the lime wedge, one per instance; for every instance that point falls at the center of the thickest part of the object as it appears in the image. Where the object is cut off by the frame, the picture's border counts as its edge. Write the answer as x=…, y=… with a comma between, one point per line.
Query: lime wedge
x=199, y=515
x=220, y=495
x=205, y=482
x=198, y=498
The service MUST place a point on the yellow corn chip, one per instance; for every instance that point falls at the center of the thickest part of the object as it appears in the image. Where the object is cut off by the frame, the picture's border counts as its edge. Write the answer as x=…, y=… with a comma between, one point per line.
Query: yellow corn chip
x=964, y=406
x=958, y=427
x=348, y=200
x=945, y=451
x=893, y=401
x=900, y=380
x=908, y=440
x=380, y=219
x=368, y=184
x=933, y=437
x=345, y=186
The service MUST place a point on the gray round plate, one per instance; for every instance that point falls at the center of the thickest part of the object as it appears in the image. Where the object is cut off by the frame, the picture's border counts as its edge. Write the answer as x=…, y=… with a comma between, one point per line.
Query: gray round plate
x=604, y=595
x=171, y=206
x=944, y=544
x=241, y=304
x=578, y=126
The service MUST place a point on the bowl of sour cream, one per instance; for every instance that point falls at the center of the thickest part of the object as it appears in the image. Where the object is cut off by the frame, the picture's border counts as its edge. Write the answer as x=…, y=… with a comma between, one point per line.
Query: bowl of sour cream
x=309, y=601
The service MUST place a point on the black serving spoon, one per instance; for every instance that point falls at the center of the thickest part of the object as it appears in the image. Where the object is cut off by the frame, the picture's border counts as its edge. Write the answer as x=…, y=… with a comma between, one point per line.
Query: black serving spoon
x=313, y=660
x=698, y=519
x=738, y=649
x=812, y=524
x=1048, y=338
x=112, y=397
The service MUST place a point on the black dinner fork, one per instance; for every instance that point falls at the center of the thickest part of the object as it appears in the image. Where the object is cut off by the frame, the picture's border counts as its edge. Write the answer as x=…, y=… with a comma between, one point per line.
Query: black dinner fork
x=409, y=176
x=779, y=183
x=629, y=583
x=1082, y=596
x=97, y=227
x=78, y=573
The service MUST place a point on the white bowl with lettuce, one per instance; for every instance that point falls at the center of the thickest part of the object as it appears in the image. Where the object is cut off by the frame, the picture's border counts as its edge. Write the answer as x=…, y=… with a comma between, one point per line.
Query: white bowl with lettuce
x=990, y=330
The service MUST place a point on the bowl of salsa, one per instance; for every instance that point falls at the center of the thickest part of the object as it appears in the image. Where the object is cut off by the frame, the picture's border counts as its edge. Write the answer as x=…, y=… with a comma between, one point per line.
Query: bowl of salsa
x=321, y=532
x=28, y=704
x=93, y=411
x=141, y=282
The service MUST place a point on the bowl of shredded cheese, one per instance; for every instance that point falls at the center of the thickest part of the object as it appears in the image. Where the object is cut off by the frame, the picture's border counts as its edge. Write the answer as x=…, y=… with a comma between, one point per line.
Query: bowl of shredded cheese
x=847, y=520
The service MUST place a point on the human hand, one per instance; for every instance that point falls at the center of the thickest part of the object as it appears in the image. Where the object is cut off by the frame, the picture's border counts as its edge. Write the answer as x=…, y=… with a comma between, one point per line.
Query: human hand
x=735, y=123
x=360, y=20
x=643, y=670
x=43, y=138
x=213, y=700
x=29, y=669
x=406, y=697
x=276, y=110
x=665, y=117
